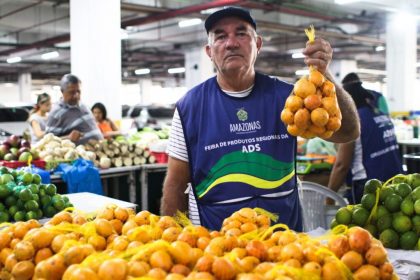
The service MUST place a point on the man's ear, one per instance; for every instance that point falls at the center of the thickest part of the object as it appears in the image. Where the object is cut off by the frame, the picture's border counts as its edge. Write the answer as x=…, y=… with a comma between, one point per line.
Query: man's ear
x=208, y=51
x=259, y=43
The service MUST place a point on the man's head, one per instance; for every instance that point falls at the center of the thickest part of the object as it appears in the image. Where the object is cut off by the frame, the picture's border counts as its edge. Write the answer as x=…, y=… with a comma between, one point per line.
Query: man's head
x=233, y=43
x=70, y=88
x=351, y=78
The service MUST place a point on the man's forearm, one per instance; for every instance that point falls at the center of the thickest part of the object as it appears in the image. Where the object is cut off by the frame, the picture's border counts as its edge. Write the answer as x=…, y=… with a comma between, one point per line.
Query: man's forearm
x=172, y=201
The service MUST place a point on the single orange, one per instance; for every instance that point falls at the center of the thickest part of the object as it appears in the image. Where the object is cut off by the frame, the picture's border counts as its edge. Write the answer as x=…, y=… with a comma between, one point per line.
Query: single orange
x=303, y=87
x=292, y=251
x=317, y=130
x=339, y=245
x=367, y=272
x=302, y=119
x=327, y=134
x=313, y=268
x=333, y=124
x=43, y=254
x=287, y=116
x=328, y=88
x=319, y=117
x=333, y=271
x=293, y=103
x=330, y=104
x=312, y=102
x=316, y=77
x=352, y=260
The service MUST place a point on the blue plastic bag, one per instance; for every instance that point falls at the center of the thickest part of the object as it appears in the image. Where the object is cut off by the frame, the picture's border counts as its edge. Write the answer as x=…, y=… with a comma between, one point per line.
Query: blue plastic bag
x=81, y=176
x=45, y=175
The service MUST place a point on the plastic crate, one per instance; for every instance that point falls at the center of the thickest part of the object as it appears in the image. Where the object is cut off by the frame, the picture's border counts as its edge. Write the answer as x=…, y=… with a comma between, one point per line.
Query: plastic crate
x=16, y=164
x=160, y=157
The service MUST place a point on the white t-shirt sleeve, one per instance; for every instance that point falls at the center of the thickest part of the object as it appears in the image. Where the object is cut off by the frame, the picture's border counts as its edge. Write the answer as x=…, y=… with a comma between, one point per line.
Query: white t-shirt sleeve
x=176, y=145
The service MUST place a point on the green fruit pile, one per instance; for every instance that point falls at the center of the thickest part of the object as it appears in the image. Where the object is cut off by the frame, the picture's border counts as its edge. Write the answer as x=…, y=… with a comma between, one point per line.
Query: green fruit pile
x=395, y=219
x=23, y=197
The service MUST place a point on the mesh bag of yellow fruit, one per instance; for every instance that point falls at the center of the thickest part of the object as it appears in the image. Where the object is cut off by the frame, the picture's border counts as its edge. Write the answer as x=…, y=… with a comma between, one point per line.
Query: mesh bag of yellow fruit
x=312, y=109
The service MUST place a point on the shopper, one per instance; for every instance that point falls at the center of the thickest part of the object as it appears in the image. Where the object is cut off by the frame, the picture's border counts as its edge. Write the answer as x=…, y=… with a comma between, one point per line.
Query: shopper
x=107, y=127
x=352, y=83
x=227, y=139
x=38, y=117
x=373, y=155
x=69, y=118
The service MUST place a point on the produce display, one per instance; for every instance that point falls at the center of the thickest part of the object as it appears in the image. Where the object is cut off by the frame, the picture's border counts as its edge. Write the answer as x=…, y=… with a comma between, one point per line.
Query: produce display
x=312, y=109
x=53, y=148
x=389, y=211
x=23, y=197
x=119, y=244
x=16, y=148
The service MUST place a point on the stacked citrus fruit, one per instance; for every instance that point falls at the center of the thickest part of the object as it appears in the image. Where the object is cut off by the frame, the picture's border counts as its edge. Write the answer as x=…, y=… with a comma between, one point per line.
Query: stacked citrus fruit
x=312, y=109
x=390, y=211
x=119, y=244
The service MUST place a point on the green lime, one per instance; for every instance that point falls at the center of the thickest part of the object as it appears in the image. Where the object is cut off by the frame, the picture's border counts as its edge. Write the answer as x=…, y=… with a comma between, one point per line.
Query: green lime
x=403, y=189
x=384, y=222
x=35, y=197
x=39, y=214
x=417, y=206
x=389, y=238
x=385, y=192
x=10, y=201
x=51, y=189
x=4, y=191
x=333, y=223
x=407, y=206
x=368, y=201
x=45, y=200
x=25, y=178
x=49, y=211
x=408, y=240
x=68, y=205
x=19, y=216
x=372, y=229
x=31, y=205
x=12, y=210
x=2, y=207
x=400, y=178
x=372, y=185
x=25, y=195
x=31, y=215
x=65, y=198
x=414, y=180
x=4, y=170
x=416, y=224
x=343, y=216
x=36, y=179
x=360, y=216
x=58, y=203
x=415, y=194
x=393, y=202
x=20, y=204
x=402, y=223
x=34, y=188
x=4, y=217
x=6, y=178
x=381, y=211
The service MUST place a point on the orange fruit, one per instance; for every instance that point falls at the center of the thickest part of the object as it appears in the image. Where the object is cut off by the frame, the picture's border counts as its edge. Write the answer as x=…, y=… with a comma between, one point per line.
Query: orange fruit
x=120, y=243
x=161, y=259
x=121, y=214
x=367, y=272
x=385, y=271
x=230, y=242
x=303, y=87
x=238, y=252
x=174, y=276
x=24, y=250
x=246, y=214
x=43, y=254
x=333, y=124
x=204, y=263
x=134, y=244
x=287, y=116
x=138, y=268
x=61, y=217
x=10, y=262
x=292, y=251
x=316, y=130
x=129, y=225
x=328, y=88
x=263, y=220
x=202, y=242
x=223, y=269
x=14, y=242
x=293, y=263
x=312, y=101
x=352, y=260
x=171, y=234
x=376, y=255
x=308, y=134
x=302, y=118
x=79, y=219
x=166, y=222
x=113, y=269
x=188, y=237
x=40, y=238
x=98, y=242
x=142, y=218
x=20, y=230
x=157, y=273
x=293, y=103
x=256, y=248
x=77, y=272
x=248, y=227
x=180, y=252
x=287, y=237
x=106, y=213
x=313, y=268
x=327, y=134
x=23, y=270
x=316, y=77
x=248, y=263
x=233, y=232
x=263, y=267
x=103, y=227
x=332, y=271
x=330, y=104
x=58, y=242
x=339, y=245
x=319, y=117
x=5, y=238
x=359, y=239
x=274, y=253
x=180, y=269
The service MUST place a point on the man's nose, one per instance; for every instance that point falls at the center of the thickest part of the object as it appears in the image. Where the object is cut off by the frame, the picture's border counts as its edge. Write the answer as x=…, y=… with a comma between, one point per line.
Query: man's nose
x=232, y=42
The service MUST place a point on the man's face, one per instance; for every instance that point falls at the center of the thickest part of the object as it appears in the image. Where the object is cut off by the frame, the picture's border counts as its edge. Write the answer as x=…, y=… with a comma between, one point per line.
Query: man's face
x=71, y=95
x=233, y=45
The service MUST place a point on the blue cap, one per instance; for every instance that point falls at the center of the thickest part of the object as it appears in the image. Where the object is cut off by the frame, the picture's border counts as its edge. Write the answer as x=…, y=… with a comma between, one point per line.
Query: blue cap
x=229, y=12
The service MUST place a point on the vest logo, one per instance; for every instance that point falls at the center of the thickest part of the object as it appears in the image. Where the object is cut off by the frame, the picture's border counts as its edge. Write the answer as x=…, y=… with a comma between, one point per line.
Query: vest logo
x=242, y=114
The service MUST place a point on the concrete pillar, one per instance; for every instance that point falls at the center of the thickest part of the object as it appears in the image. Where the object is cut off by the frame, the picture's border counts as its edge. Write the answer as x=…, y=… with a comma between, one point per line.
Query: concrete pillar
x=95, y=29
x=340, y=68
x=198, y=67
x=401, y=58
x=25, y=87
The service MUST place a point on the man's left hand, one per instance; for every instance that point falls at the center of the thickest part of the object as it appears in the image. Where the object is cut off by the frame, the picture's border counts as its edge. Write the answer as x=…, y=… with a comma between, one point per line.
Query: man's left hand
x=318, y=54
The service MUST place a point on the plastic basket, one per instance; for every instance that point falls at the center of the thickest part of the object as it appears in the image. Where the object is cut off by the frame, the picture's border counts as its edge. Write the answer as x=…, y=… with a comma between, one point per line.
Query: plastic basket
x=16, y=164
x=160, y=157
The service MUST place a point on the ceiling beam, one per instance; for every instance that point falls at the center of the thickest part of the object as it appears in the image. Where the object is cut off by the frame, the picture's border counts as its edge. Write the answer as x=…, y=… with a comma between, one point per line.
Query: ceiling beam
x=21, y=9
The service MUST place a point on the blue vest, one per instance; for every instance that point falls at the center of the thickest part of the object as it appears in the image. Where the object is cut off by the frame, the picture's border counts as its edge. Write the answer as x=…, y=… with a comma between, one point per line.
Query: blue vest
x=381, y=157
x=240, y=152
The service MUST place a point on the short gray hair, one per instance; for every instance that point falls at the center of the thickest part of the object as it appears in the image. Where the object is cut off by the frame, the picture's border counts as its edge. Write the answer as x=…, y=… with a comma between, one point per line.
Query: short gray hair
x=68, y=79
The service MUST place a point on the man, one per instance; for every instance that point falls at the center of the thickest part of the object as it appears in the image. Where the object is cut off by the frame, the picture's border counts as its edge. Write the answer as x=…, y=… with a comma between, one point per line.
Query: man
x=352, y=83
x=227, y=139
x=70, y=119
x=374, y=154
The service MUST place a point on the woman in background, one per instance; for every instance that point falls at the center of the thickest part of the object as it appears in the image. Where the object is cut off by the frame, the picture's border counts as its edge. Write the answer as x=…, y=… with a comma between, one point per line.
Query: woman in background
x=107, y=127
x=38, y=117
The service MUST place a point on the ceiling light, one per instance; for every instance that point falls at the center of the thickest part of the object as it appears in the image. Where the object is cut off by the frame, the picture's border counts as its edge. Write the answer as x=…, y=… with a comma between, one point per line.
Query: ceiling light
x=344, y=2
x=371, y=71
x=14, y=59
x=50, y=55
x=189, y=22
x=298, y=55
x=209, y=11
x=63, y=45
x=295, y=50
x=302, y=72
x=379, y=48
x=142, y=71
x=176, y=70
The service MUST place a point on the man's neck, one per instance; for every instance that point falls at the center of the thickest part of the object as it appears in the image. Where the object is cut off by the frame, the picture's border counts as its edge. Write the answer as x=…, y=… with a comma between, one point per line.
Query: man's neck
x=236, y=81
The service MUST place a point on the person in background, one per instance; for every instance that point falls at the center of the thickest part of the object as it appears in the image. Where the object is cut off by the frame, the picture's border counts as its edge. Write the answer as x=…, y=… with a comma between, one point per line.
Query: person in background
x=321, y=147
x=352, y=83
x=69, y=118
x=38, y=117
x=227, y=138
x=107, y=127
x=373, y=155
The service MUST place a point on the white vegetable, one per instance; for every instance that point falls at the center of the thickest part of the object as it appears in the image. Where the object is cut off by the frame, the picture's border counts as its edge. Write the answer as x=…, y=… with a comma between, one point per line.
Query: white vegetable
x=67, y=143
x=70, y=155
x=49, y=157
x=105, y=162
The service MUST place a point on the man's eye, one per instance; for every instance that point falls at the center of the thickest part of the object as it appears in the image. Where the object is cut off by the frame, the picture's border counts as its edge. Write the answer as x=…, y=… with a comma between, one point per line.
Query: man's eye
x=220, y=37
